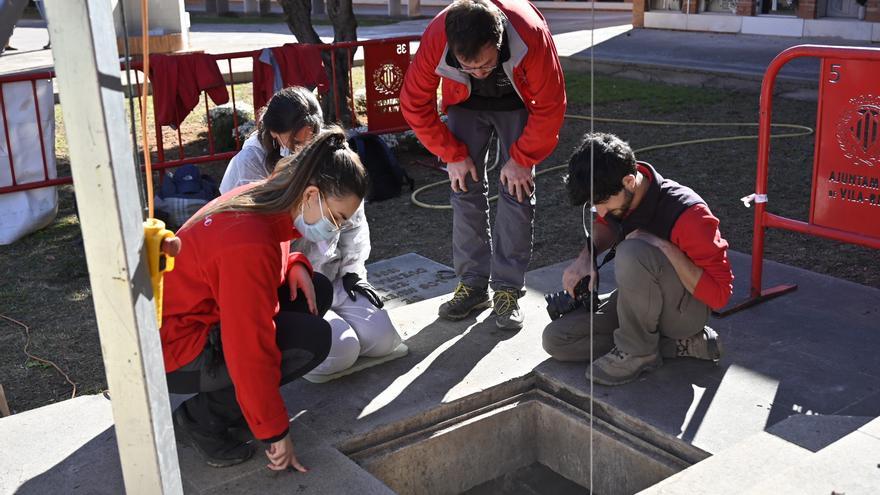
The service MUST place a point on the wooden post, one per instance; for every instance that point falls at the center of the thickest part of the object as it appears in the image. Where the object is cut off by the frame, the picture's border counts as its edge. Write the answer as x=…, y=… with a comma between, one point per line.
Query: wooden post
x=101, y=162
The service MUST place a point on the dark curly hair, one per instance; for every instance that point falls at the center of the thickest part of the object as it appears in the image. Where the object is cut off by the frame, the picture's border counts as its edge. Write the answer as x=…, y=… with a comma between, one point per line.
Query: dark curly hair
x=471, y=25
x=613, y=159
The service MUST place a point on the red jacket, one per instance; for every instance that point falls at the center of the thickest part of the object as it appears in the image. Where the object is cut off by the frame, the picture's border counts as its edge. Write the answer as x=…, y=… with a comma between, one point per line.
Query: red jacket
x=696, y=233
x=533, y=68
x=228, y=272
x=178, y=82
x=298, y=64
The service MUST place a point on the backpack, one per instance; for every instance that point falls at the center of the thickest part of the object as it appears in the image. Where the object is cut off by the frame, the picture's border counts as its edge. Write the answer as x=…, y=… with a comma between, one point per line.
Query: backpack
x=386, y=175
x=183, y=193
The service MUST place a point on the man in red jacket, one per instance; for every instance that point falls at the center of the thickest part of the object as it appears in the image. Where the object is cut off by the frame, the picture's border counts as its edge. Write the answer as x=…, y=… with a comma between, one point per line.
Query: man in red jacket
x=671, y=267
x=500, y=74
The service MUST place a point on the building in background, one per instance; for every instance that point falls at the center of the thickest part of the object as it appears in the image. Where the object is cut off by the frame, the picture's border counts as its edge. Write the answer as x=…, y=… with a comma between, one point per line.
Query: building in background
x=849, y=19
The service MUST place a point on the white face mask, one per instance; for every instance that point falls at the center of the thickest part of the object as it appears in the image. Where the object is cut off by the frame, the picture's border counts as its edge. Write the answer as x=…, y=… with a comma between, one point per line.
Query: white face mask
x=323, y=232
x=284, y=151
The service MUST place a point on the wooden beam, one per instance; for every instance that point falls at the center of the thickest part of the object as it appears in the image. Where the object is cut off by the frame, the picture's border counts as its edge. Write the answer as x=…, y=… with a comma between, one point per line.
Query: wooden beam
x=102, y=165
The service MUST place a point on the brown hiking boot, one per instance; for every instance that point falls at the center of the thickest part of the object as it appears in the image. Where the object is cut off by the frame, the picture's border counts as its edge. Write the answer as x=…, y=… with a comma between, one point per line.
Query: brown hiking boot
x=705, y=344
x=465, y=300
x=508, y=315
x=618, y=367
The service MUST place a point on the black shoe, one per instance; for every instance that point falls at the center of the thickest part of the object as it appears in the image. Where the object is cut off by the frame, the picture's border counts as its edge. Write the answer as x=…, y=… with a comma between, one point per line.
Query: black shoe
x=240, y=431
x=465, y=300
x=217, y=450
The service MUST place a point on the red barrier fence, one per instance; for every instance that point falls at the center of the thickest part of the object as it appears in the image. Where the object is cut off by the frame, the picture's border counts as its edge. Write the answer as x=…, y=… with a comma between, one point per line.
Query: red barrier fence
x=845, y=193
x=385, y=63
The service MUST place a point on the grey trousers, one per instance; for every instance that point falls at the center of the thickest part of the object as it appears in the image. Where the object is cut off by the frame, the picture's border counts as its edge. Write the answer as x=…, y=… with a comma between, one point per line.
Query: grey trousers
x=650, y=302
x=476, y=262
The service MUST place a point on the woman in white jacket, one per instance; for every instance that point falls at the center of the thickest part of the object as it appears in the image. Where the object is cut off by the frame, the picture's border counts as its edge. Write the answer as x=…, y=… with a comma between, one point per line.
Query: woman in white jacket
x=360, y=327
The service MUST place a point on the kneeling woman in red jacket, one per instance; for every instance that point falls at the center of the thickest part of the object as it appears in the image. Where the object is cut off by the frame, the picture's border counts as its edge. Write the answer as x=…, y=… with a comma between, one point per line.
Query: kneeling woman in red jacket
x=242, y=315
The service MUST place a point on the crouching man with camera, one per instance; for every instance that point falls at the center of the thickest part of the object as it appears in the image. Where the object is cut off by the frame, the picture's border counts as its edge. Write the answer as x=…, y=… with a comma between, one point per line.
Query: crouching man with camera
x=671, y=268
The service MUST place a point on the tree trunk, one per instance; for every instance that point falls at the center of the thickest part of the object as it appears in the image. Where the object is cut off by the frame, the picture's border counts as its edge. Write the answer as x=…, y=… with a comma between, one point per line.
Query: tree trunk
x=216, y=7
x=298, y=15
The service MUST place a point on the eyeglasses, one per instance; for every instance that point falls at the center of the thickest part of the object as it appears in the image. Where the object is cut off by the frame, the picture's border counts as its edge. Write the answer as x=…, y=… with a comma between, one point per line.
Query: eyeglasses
x=474, y=70
x=322, y=204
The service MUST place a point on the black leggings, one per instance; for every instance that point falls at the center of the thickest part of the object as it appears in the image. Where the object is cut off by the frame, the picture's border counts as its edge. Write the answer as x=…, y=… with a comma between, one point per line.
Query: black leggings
x=304, y=341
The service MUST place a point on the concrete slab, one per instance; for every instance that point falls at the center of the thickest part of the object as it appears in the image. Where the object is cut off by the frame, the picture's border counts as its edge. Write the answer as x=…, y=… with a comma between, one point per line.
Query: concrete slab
x=773, y=26
x=716, y=23
x=783, y=358
x=848, y=466
x=749, y=462
x=329, y=472
x=789, y=357
x=871, y=428
x=73, y=423
x=666, y=20
x=815, y=432
x=838, y=28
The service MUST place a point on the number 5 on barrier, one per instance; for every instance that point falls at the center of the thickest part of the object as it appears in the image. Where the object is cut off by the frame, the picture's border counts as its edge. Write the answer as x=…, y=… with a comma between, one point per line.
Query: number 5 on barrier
x=160, y=260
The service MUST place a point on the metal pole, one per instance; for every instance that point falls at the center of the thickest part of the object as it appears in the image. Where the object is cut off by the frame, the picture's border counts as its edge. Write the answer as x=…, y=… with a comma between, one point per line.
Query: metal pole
x=87, y=67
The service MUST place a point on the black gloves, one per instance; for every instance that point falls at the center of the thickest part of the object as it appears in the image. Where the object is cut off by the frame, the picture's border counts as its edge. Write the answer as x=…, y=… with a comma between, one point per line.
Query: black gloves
x=353, y=283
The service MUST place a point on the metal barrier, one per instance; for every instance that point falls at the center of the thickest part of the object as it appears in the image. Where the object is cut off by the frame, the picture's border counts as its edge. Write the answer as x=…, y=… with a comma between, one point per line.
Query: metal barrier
x=385, y=63
x=845, y=196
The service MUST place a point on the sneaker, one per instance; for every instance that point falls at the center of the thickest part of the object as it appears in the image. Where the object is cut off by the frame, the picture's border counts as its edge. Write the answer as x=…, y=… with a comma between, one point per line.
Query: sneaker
x=218, y=451
x=706, y=344
x=508, y=316
x=618, y=367
x=465, y=300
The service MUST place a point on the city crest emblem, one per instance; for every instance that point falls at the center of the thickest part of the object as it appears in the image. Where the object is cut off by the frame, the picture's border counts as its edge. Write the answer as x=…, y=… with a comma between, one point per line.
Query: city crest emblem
x=388, y=78
x=858, y=131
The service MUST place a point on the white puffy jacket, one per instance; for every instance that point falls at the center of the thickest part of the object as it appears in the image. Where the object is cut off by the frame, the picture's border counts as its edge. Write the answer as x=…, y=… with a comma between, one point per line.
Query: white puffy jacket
x=353, y=247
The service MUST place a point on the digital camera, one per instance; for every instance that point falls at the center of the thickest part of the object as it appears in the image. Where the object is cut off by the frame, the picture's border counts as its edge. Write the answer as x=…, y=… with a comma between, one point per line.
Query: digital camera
x=560, y=303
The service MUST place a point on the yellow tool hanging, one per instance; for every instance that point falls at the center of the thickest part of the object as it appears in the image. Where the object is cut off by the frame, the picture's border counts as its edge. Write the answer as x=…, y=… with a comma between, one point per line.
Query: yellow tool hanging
x=161, y=244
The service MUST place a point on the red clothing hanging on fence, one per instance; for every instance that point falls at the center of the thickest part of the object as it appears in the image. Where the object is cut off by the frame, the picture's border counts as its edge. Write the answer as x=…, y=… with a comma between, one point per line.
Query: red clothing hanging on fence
x=296, y=65
x=178, y=82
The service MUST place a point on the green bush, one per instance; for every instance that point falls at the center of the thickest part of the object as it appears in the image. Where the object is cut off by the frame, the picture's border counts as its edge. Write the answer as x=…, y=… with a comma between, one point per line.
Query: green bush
x=223, y=125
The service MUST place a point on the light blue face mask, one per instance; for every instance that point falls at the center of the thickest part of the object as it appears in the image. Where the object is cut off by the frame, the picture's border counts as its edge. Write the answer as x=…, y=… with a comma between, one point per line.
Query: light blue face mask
x=323, y=232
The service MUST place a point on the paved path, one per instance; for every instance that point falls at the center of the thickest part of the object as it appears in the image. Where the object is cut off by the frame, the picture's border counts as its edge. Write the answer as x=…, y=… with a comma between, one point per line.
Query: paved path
x=804, y=354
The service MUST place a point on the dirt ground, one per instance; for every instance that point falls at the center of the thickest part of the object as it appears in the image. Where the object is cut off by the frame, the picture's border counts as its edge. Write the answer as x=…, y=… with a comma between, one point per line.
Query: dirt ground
x=46, y=282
